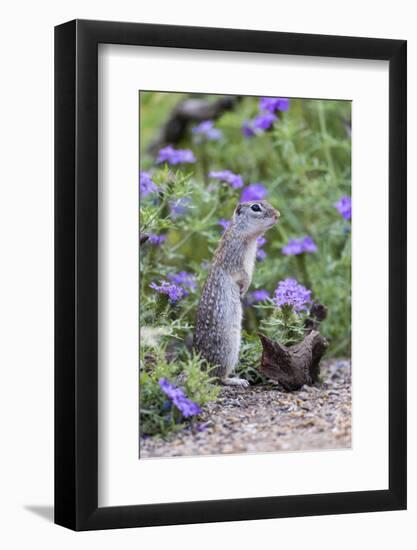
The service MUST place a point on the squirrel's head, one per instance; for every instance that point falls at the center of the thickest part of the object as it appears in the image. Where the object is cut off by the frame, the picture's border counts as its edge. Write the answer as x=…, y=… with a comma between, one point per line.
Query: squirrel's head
x=255, y=217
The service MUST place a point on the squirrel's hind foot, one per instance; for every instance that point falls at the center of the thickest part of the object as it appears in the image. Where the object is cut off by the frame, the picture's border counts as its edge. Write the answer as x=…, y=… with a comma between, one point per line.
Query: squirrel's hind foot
x=235, y=382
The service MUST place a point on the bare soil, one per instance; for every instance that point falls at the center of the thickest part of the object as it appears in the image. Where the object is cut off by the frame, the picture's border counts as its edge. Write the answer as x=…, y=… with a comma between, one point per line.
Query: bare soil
x=265, y=418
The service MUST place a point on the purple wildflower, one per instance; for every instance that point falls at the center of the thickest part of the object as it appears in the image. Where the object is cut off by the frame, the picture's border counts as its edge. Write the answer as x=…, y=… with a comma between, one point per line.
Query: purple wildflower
x=206, y=130
x=184, y=279
x=234, y=180
x=253, y=192
x=273, y=104
x=259, y=295
x=344, y=206
x=293, y=248
x=146, y=185
x=261, y=254
x=184, y=405
x=172, y=290
x=299, y=246
x=309, y=245
x=264, y=121
x=224, y=223
x=175, y=156
x=260, y=241
x=188, y=407
x=169, y=390
x=247, y=129
x=290, y=293
x=166, y=405
x=179, y=207
x=156, y=239
x=256, y=296
x=258, y=125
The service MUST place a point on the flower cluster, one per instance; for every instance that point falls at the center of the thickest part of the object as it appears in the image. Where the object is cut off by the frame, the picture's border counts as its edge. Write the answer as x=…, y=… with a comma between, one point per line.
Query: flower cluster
x=258, y=125
x=186, y=280
x=291, y=293
x=176, y=395
x=172, y=290
x=262, y=122
x=146, y=185
x=247, y=130
x=234, y=180
x=273, y=104
x=179, y=207
x=206, y=130
x=344, y=207
x=299, y=246
x=253, y=192
x=175, y=156
x=156, y=239
x=179, y=285
x=258, y=295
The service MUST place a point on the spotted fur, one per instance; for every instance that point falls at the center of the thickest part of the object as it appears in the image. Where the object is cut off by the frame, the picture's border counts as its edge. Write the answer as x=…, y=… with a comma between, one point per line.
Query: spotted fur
x=219, y=315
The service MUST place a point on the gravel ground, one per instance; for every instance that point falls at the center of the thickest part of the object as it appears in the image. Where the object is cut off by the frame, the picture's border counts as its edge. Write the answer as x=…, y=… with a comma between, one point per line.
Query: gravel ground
x=263, y=418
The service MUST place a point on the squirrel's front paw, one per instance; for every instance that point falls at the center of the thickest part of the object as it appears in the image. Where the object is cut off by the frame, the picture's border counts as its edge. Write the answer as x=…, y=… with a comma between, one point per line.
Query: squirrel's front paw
x=235, y=382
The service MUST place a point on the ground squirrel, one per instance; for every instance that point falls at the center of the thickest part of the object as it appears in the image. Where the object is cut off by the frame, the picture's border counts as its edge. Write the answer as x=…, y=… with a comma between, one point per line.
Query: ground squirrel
x=219, y=315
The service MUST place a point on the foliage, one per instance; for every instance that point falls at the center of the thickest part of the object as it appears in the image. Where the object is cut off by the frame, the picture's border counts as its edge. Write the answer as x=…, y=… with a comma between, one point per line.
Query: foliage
x=159, y=414
x=250, y=359
x=283, y=324
x=301, y=159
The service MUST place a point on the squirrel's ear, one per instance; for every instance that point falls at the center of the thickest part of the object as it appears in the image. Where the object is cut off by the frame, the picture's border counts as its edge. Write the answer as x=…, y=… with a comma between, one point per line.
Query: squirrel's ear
x=238, y=209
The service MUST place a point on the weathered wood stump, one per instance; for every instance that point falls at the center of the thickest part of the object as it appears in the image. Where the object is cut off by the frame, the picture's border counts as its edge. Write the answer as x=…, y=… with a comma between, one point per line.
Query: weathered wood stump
x=299, y=364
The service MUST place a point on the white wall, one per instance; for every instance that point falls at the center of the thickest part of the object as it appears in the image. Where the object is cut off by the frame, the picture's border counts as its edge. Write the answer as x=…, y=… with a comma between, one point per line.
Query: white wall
x=26, y=301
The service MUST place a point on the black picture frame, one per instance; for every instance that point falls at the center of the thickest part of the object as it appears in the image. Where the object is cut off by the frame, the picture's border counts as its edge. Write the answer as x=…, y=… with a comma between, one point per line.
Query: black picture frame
x=76, y=272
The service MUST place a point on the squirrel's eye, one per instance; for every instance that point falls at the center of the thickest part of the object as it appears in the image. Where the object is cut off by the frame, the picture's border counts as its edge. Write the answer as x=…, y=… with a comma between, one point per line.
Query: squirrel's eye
x=256, y=207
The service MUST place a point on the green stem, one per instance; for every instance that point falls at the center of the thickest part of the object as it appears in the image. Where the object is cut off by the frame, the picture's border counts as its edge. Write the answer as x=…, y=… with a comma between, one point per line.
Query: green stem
x=325, y=138
x=185, y=312
x=204, y=163
x=191, y=233
x=302, y=268
x=154, y=216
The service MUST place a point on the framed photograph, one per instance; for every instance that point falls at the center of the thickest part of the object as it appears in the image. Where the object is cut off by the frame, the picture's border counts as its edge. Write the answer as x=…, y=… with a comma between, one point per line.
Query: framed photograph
x=230, y=255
